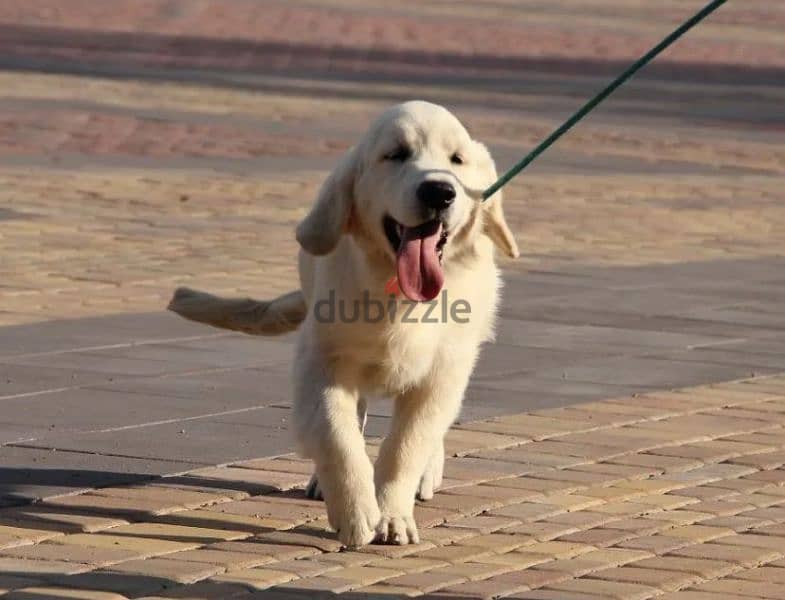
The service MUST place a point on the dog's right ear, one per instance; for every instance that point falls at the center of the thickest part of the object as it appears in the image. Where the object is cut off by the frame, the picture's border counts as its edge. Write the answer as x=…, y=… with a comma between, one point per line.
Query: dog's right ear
x=319, y=232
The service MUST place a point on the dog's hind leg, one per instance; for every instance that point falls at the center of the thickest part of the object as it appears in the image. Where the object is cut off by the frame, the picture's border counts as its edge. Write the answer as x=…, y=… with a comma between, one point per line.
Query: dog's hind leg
x=434, y=473
x=312, y=490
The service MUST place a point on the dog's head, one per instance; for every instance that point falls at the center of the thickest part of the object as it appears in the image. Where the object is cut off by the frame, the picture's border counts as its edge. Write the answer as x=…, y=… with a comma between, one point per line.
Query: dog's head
x=409, y=191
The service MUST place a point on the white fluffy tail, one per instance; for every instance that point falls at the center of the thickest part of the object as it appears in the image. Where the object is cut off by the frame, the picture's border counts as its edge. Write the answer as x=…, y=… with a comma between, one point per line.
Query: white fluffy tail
x=274, y=317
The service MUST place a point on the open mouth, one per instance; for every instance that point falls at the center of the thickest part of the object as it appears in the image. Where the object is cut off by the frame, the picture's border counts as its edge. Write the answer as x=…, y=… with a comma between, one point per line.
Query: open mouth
x=419, y=253
x=395, y=233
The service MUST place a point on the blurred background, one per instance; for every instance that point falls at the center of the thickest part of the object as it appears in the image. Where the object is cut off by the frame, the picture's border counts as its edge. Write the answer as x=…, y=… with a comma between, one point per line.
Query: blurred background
x=150, y=143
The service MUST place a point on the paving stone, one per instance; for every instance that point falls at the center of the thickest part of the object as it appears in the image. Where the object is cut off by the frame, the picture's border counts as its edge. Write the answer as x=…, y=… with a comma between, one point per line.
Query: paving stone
x=48, y=518
x=656, y=544
x=736, y=587
x=655, y=578
x=409, y=564
x=765, y=574
x=516, y=560
x=39, y=592
x=541, y=531
x=706, y=568
x=16, y=536
x=755, y=541
x=303, y=537
x=597, y=537
x=177, y=533
x=501, y=542
x=204, y=590
x=395, y=551
x=143, y=547
x=742, y=555
x=443, y=536
x=170, y=569
x=252, y=480
x=528, y=511
x=698, y=595
x=177, y=498
x=110, y=506
x=263, y=508
x=38, y=568
x=455, y=553
x=220, y=520
x=460, y=442
x=86, y=555
x=612, y=589
x=366, y=574
x=427, y=516
x=279, y=551
x=504, y=584
x=661, y=463
x=557, y=550
x=483, y=524
x=258, y=578
x=222, y=558
x=737, y=522
x=581, y=519
x=495, y=493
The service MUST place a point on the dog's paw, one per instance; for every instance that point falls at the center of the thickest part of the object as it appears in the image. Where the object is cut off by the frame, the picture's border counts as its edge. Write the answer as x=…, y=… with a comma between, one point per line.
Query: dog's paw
x=312, y=490
x=397, y=529
x=356, y=524
x=432, y=476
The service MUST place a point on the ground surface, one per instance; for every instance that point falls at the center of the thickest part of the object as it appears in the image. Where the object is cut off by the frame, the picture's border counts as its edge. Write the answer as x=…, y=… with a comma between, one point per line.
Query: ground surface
x=145, y=145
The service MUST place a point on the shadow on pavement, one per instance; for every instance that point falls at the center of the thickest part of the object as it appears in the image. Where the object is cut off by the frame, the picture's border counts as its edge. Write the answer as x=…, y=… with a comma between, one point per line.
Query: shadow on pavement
x=147, y=55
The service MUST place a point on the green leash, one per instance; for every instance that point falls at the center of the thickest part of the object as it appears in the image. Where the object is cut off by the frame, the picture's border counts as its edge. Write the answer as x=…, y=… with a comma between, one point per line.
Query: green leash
x=592, y=104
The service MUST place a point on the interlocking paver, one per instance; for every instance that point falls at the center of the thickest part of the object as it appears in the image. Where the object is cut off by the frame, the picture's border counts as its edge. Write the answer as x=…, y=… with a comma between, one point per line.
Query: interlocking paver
x=143, y=547
x=176, y=181
x=736, y=587
x=41, y=592
x=257, y=578
x=663, y=580
x=612, y=589
x=171, y=569
x=706, y=568
x=87, y=555
x=737, y=554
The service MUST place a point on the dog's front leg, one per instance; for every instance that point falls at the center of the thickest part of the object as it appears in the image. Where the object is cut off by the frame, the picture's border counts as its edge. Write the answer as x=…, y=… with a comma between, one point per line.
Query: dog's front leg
x=326, y=422
x=420, y=421
x=313, y=491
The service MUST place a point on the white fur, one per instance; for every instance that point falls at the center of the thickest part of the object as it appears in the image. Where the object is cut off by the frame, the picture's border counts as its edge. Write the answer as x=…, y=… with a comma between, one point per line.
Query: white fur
x=425, y=367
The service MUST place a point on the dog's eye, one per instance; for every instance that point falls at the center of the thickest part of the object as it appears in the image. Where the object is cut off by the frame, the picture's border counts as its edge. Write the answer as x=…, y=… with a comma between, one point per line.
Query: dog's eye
x=400, y=154
x=456, y=159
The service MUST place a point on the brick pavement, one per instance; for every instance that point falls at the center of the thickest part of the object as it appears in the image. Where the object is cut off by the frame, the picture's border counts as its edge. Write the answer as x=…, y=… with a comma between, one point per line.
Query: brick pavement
x=675, y=495
x=152, y=144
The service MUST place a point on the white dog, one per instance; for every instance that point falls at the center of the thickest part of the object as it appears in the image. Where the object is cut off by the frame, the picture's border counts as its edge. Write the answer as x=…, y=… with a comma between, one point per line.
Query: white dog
x=397, y=228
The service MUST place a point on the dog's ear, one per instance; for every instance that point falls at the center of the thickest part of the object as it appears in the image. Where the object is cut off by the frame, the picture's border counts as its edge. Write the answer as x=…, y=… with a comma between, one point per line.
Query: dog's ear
x=496, y=228
x=494, y=223
x=319, y=232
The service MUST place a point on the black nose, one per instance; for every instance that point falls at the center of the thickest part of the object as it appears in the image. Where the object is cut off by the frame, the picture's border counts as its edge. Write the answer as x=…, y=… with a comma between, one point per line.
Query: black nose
x=437, y=195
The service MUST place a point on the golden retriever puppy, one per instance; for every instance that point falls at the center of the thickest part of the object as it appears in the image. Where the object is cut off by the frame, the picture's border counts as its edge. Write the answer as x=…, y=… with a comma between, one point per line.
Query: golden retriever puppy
x=399, y=288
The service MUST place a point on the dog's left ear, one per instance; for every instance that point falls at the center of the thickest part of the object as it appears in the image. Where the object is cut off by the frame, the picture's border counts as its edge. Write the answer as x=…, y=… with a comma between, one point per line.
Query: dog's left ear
x=496, y=228
x=319, y=232
x=494, y=223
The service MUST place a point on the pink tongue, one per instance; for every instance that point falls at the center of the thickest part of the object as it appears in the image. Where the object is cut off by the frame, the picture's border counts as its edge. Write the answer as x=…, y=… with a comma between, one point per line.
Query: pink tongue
x=420, y=275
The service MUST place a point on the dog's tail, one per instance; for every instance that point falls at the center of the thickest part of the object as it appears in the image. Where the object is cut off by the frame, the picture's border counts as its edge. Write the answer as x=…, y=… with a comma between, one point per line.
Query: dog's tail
x=273, y=317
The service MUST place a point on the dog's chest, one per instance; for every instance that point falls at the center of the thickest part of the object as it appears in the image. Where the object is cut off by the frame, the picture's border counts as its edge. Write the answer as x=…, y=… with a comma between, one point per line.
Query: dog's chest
x=393, y=356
